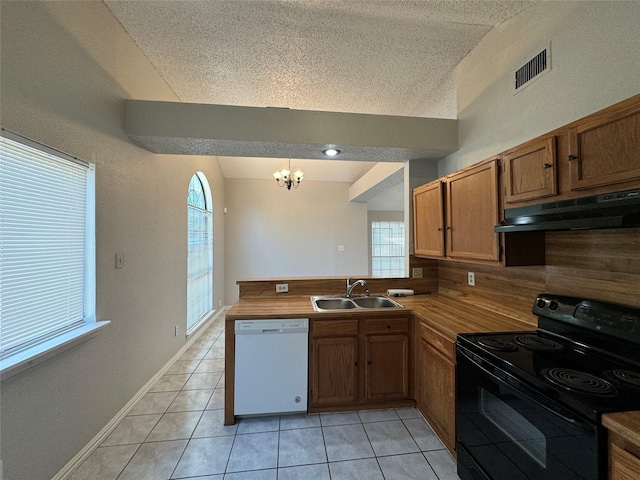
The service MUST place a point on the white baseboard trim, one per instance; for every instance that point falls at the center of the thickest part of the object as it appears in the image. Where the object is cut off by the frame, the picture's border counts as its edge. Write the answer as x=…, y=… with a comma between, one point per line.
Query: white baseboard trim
x=95, y=442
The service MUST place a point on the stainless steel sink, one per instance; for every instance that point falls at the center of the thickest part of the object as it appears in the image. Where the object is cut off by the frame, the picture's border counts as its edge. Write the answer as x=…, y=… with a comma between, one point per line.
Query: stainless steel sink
x=375, y=302
x=333, y=303
x=328, y=303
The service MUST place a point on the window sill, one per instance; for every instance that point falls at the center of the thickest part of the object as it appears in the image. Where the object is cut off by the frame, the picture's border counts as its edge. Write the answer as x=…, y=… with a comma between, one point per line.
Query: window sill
x=29, y=357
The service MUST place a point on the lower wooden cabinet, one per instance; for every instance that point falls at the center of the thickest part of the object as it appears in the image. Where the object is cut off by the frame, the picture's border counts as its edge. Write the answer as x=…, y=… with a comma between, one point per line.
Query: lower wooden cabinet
x=435, y=378
x=387, y=368
x=335, y=370
x=624, y=444
x=624, y=464
x=359, y=362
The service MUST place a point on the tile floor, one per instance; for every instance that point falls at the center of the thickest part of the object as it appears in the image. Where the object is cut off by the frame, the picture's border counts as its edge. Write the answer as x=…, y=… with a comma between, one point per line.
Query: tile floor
x=176, y=431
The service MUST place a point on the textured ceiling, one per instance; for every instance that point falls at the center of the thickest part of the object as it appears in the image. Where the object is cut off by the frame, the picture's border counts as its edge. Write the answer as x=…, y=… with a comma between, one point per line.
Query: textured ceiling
x=378, y=57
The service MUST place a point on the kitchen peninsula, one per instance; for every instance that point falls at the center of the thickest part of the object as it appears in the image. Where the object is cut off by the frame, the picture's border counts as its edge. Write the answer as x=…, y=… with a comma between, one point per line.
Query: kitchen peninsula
x=421, y=372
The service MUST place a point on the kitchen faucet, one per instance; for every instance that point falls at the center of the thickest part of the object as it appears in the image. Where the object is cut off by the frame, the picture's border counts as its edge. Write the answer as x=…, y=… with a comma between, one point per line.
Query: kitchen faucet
x=351, y=286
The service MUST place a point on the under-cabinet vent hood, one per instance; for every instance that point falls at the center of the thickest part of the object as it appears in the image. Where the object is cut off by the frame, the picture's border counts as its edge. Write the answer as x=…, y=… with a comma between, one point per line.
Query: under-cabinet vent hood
x=611, y=210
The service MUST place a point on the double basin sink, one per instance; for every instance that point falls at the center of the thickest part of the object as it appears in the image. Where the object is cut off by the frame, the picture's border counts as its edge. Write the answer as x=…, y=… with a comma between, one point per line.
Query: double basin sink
x=325, y=303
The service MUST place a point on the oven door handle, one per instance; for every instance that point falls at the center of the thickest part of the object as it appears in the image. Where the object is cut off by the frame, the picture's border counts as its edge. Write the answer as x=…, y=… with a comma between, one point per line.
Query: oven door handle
x=523, y=390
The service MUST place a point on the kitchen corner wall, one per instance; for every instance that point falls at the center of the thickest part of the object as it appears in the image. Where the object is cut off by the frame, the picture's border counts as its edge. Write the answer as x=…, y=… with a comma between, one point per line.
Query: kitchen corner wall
x=275, y=232
x=594, y=64
x=67, y=68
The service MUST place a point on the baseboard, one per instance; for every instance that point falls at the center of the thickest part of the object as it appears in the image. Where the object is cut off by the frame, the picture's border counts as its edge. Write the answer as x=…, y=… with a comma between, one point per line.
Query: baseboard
x=83, y=454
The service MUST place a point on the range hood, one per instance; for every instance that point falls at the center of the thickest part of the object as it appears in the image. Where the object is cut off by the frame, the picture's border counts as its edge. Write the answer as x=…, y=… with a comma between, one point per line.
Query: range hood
x=611, y=210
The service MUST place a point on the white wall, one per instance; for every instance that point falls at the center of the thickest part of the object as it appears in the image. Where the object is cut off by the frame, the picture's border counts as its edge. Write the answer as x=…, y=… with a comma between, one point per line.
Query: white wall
x=66, y=69
x=595, y=48
x=275, y=232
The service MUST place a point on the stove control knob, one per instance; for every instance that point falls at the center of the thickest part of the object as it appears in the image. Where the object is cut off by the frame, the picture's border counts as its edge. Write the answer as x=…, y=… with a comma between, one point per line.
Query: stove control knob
x=541, y=303
x=553, y=305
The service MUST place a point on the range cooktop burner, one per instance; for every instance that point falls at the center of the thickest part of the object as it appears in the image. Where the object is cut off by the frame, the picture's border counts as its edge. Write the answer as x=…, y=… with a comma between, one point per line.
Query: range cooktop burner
x=627, y=376
x=577, y=381
x=534, y=342
x=497, y=344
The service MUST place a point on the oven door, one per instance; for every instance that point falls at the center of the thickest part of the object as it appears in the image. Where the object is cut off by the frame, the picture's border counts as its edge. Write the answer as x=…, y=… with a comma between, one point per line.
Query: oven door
x=507, y=431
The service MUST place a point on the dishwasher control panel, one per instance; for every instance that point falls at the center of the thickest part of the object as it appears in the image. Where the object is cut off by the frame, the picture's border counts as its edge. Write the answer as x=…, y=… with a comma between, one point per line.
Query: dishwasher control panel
x=289, y=325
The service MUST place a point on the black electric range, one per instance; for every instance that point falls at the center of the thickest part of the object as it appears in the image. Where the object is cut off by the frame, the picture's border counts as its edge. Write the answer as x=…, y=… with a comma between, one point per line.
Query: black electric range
x=581, y=362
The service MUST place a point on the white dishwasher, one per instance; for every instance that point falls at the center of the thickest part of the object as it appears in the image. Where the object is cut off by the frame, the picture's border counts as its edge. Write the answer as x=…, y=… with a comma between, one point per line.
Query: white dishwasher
x=271, y=366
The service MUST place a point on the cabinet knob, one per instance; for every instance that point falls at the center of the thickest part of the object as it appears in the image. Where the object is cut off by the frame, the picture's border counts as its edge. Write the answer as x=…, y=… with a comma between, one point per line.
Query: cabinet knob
x=388, y=326
x=369, y=362
x=571, y=157
x=448, y=228
x=547, y=165
x=439, y=229
x=356, y=364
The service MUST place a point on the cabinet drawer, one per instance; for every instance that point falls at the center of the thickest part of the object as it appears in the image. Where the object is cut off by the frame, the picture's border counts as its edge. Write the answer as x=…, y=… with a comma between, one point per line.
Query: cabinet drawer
x=440, y=343
x=334, y=328
x=386, y=325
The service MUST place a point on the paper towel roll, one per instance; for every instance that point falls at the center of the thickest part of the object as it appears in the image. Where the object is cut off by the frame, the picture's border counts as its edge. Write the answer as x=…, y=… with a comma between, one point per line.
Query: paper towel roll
x=399, y=292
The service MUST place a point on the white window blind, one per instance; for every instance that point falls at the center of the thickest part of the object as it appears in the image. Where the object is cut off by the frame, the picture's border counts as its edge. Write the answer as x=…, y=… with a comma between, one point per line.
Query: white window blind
x=47, y=246
x=200, y=253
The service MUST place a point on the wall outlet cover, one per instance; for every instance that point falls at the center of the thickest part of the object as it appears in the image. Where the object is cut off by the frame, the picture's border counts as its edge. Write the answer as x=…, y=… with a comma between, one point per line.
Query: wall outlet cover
x=417, y=273
x=471, y=278
x=282, y=287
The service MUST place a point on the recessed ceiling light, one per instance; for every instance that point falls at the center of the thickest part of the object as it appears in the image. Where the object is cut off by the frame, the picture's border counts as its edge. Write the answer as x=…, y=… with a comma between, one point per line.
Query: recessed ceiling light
x=331, y=152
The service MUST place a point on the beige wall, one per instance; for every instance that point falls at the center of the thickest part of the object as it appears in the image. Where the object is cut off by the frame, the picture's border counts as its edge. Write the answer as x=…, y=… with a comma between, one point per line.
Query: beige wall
x=66, y=69
x=275, y=232
x=595, y=63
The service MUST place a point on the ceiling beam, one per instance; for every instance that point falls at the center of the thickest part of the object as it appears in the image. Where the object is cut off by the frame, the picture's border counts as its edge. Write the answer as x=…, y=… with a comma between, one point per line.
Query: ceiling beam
x=226, y=130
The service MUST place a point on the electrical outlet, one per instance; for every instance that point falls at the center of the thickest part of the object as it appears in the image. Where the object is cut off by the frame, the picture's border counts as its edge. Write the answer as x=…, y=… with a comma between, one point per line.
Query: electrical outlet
x=417, y=273
x=219, y=303
x=177, y=330
x=119, y=260
x=471, y=279
x=282, y=287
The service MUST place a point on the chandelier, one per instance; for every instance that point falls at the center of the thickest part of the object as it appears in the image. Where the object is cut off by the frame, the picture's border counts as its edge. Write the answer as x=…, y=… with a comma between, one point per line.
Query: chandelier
x=284, y=178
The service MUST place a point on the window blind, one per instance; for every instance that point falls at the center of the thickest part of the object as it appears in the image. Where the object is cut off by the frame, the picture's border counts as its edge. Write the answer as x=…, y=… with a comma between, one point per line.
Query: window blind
x=199, y=255
x=46, y=244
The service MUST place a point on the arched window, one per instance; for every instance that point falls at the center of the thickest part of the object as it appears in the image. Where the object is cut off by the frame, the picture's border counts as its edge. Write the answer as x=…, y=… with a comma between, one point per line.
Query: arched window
x=199, y=252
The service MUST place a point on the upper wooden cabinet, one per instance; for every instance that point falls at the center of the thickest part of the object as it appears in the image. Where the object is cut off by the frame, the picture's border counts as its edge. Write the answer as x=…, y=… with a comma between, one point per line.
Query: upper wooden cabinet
x=530, y=171
x=468, y=200
x=604, y=148
x=595, y=155
x=428, y=220
x=472, y=212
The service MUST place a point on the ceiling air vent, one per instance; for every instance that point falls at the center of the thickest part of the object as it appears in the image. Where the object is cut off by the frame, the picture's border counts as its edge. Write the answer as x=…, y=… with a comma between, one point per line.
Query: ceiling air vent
x=533, y=69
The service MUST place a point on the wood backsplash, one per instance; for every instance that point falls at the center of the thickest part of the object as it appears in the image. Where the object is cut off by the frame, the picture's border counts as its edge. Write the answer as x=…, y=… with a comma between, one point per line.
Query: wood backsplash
x=596, y=264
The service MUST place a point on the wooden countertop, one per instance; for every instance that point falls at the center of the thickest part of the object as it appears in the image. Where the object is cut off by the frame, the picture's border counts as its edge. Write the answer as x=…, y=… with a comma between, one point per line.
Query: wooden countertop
x=625, y=424
x=444, y=314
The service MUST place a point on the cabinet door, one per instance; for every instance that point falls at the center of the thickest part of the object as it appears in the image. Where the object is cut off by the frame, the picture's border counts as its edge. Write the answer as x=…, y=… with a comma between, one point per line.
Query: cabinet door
x=530, y=171
x=624, y=465
x=334, y=371
x=472, y=213
x=428, y=220
x=437, y=393
x=387, y=369
x=605, y=150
